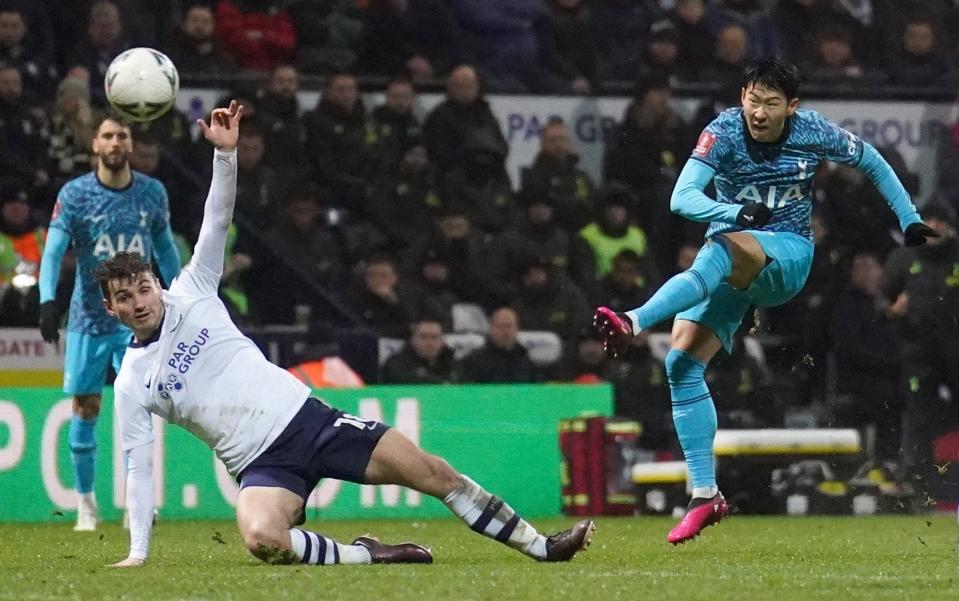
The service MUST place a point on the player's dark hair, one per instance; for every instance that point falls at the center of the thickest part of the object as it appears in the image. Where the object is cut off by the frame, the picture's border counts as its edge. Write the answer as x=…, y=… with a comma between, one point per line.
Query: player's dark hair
x=775, y=74
x=123, y=265
x=110, y=116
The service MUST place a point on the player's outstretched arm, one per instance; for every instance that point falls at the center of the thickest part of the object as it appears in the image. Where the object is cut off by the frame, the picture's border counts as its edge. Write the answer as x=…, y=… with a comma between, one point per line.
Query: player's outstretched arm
x=690, y=200
x=223, y=132
x=140, y=498
x=880, y=173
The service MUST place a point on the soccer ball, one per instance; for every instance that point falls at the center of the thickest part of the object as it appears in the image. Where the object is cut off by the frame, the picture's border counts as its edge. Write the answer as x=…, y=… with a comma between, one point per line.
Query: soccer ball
x=141, y=84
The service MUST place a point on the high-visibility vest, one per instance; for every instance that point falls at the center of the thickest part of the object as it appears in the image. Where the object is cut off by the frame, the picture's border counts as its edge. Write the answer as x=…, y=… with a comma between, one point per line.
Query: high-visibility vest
x=27, y=247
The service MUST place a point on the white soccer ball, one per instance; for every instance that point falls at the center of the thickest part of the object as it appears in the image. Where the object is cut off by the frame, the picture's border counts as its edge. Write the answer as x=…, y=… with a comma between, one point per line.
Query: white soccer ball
x=141, y=84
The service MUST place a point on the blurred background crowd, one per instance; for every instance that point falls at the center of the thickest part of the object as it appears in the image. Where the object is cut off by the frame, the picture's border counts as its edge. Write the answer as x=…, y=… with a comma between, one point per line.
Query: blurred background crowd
x=358, y=222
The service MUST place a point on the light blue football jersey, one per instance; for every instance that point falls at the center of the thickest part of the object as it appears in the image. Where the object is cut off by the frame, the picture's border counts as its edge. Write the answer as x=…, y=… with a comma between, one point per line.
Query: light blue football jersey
x=779, y=174
x=101, y=222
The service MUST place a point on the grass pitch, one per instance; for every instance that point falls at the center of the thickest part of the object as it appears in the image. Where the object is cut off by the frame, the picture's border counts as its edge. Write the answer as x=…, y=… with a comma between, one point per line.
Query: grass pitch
x=768, y=558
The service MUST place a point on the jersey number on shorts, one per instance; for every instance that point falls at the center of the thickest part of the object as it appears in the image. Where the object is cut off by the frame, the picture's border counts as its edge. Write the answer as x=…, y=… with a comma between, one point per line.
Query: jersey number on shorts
x=354, y=421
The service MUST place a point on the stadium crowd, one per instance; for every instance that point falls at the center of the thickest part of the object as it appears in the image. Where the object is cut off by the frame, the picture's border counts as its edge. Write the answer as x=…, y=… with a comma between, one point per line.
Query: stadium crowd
x=346, y=211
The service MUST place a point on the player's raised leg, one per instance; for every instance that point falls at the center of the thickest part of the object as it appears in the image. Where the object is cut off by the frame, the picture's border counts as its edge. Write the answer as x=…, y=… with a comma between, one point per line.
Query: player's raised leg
x=265, y=516
x=735, y=258
x=396, y=460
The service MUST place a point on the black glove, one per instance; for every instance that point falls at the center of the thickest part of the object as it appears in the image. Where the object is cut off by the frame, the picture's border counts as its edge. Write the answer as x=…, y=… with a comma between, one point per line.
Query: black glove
x=50, y=322
x=916, y=233
x=753, y=215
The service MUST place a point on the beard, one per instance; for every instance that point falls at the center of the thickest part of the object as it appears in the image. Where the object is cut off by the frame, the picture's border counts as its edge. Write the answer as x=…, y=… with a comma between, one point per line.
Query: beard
x=114, y=162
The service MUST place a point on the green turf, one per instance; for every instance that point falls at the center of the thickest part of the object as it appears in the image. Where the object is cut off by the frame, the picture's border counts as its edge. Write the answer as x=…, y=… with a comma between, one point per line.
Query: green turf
x=744, y=558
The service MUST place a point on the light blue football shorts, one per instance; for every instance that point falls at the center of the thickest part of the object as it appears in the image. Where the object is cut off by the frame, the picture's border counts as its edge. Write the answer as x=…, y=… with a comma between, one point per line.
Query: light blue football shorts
x=86, y=359
x=783, y=277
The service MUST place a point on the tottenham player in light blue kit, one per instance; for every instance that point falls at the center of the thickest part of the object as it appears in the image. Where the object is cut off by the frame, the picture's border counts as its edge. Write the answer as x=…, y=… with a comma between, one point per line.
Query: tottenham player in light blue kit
x=109, y=210
x=761, y=158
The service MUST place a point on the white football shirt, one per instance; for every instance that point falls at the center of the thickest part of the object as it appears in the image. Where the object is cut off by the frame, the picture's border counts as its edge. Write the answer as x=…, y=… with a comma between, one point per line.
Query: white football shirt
x=198, y=371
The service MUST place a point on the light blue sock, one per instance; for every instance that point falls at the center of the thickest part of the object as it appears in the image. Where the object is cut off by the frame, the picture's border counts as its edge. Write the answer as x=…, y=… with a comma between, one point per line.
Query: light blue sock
x=687, y=289
x=694, y=415
x=83, y=448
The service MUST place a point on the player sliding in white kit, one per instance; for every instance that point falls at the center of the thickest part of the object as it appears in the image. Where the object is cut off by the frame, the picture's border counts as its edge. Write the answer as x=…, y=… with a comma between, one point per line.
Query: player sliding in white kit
x=189, y=364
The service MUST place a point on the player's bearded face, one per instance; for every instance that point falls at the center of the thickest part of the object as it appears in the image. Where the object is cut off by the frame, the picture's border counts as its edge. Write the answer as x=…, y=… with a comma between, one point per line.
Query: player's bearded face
x=137, y=303
x=113, y=145
x=765, y=111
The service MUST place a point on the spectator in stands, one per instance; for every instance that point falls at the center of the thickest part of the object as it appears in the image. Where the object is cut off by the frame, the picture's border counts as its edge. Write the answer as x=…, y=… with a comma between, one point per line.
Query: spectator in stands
x=574, y=36
x=104, y=40
x=502, y=359
x=394, y=123
x=514, y=44
x=797, y=22
x=547, y=301
x=479, y=183
x=872, y=25
x=620, y=25
x=149, y=158
x=916, y=280
x=753, y=16
x=20, y=48
x=22, y=148
x=195, y=50
x=922, y=61
x=661, y=55
x=403, y=203
x=453, y=237
x=729, y=56
x=833, y=61
x=329, y=33
x=67, y=132
x=257, y=185
x=21, y=246
x=696, y=42
x=299, y=245
x=866, y=349
x=438, y=278
x=386, y=305
x=259, y=34
x=424, y=359
x=278, y=109
x=338, y=139
x=647, y=151
x=464, y=111
x=538, y=236
x=628, y=284
x=417, y=37
x=555, y=171
x=653, y=54
x=615, y=229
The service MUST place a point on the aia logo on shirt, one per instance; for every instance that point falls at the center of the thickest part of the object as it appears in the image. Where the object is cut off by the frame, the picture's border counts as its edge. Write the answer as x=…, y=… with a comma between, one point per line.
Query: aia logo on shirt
x=705, y=142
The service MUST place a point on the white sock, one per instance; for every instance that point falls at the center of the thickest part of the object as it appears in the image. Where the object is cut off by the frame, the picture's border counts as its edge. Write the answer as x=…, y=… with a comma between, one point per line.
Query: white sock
x=705, y=492
x=488, y=515
x=312, y=548
x=633, y=321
